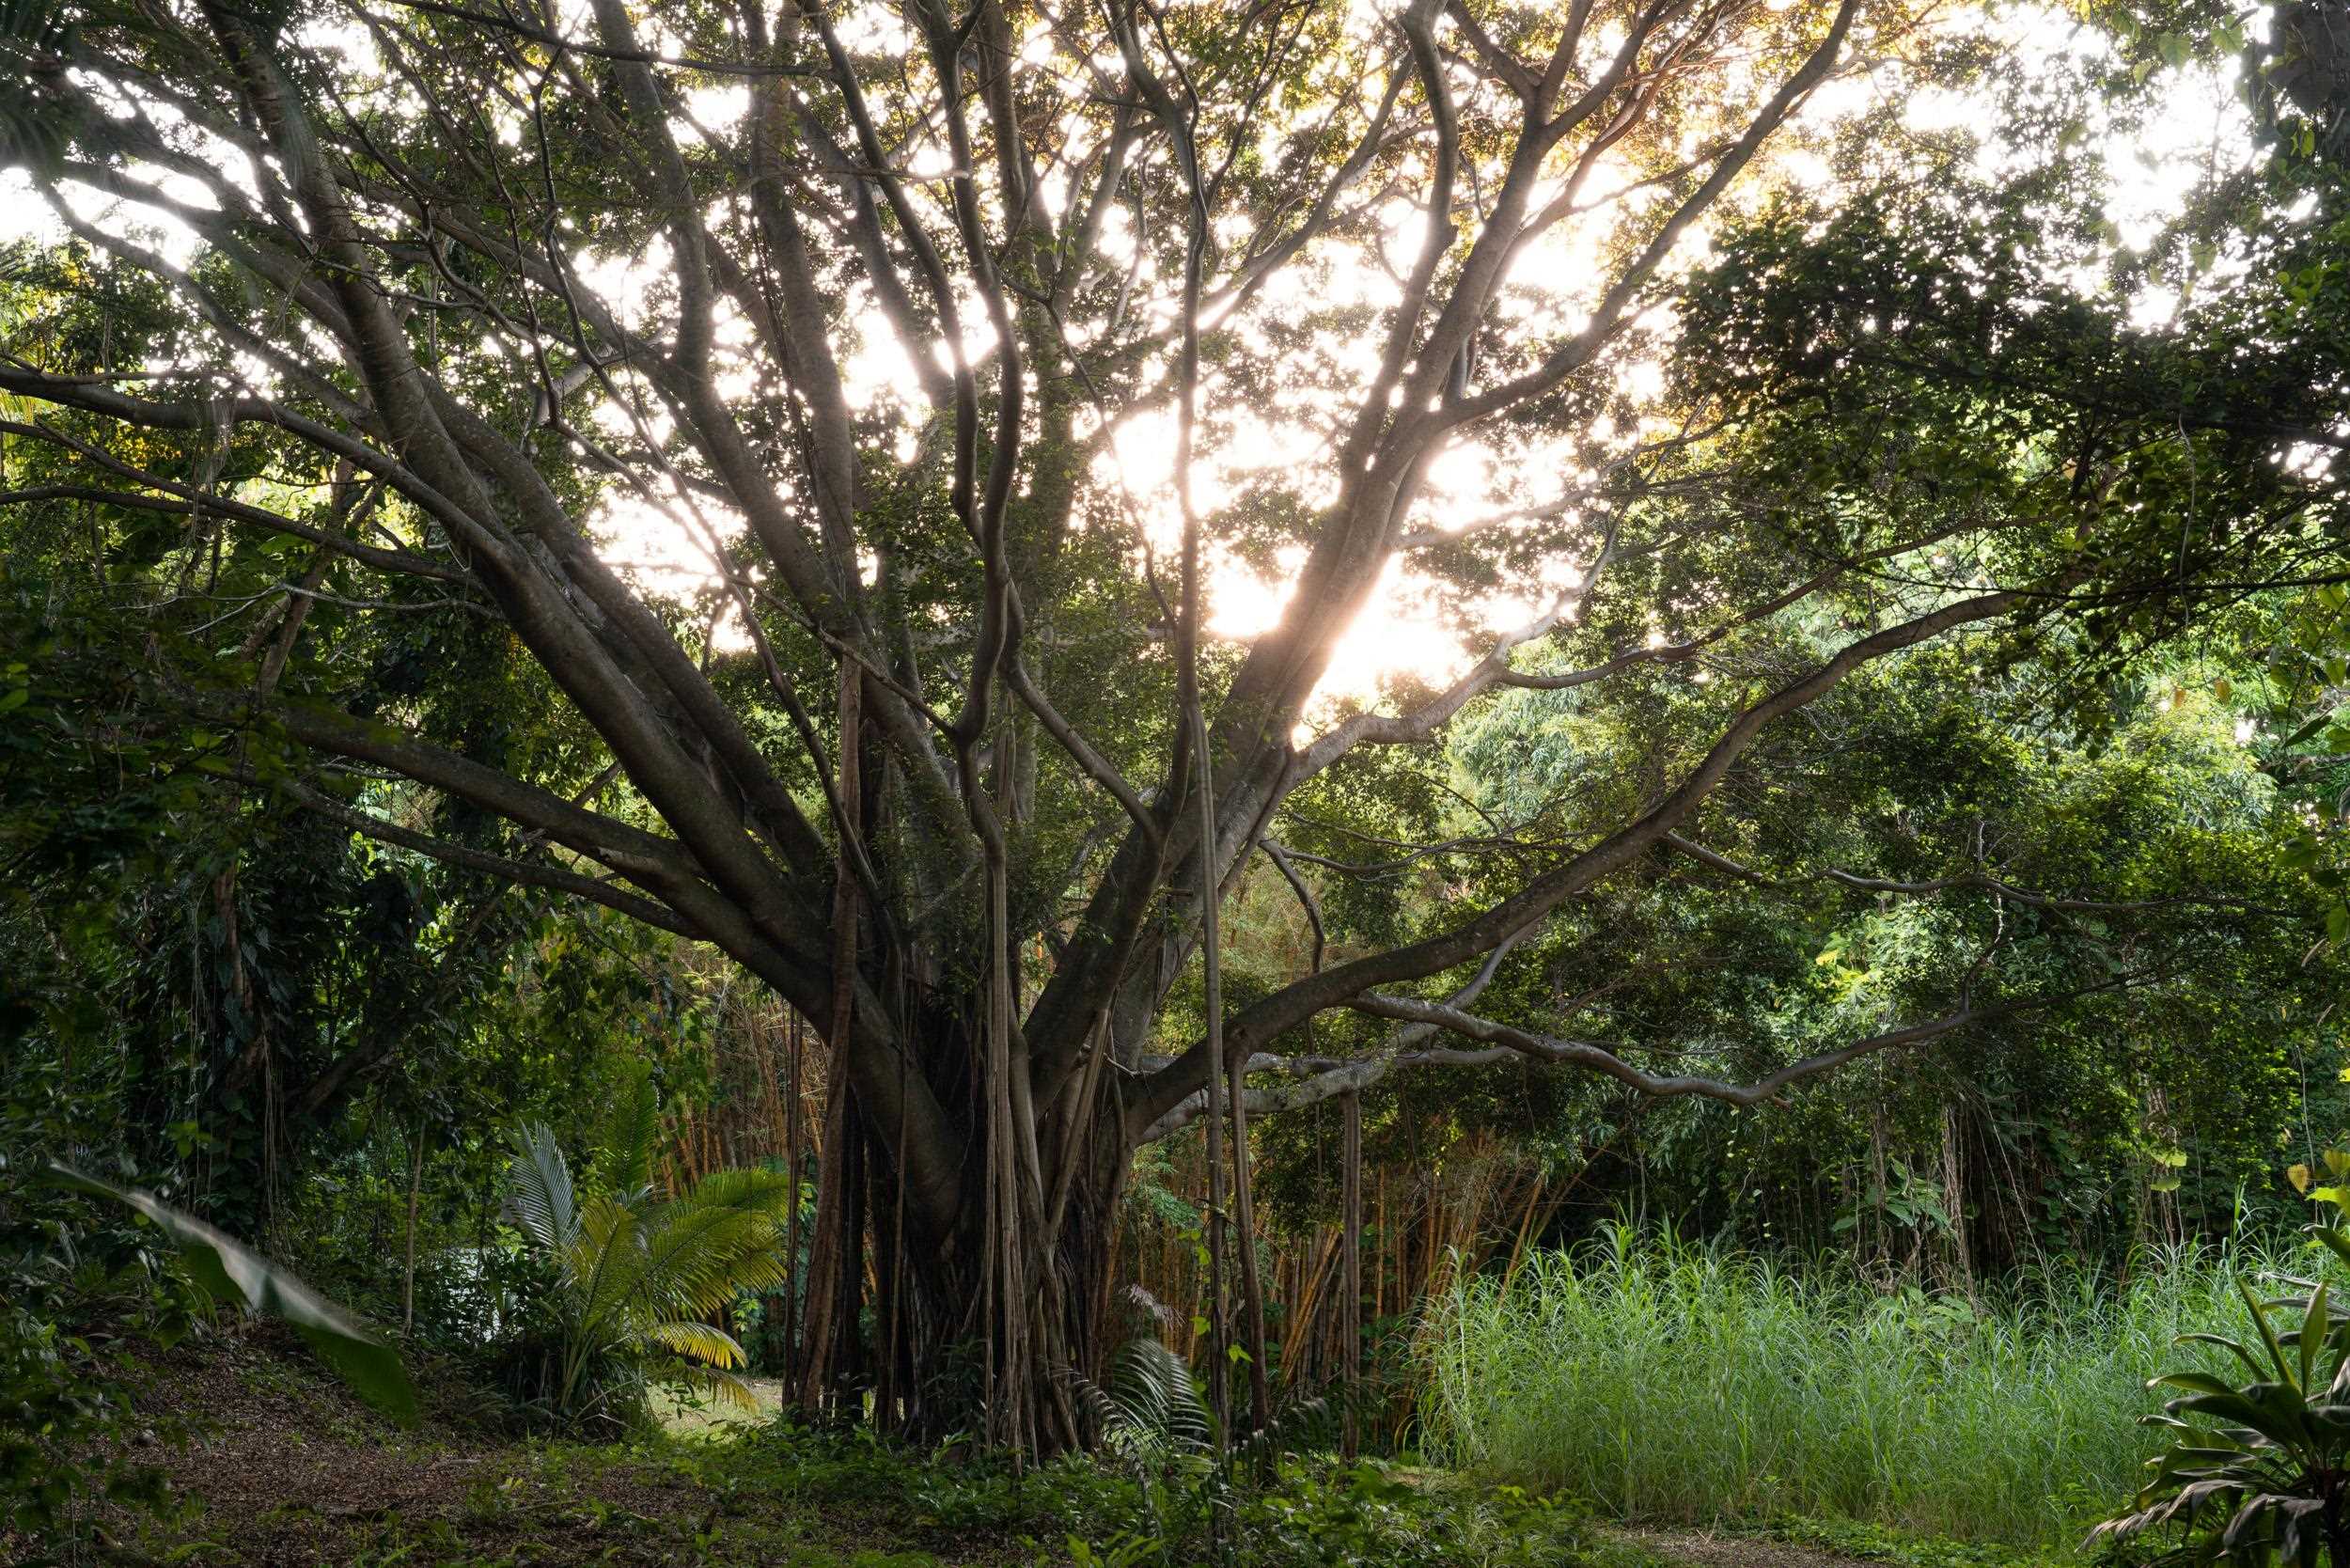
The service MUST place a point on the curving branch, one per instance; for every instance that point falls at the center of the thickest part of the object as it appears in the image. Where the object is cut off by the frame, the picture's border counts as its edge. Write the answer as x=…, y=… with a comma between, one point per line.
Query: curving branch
x=1306, y=899
x=1285, y=1009
x=1323, y=1077
x=1976, y=880
x=464, y=857
x=1526, y=1043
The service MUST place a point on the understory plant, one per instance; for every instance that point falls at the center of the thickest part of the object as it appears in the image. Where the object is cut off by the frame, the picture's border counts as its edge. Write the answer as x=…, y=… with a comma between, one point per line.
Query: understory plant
x=639, y=1276
x=1258, y=1499
x=2257, y=1470
x=74, y=1286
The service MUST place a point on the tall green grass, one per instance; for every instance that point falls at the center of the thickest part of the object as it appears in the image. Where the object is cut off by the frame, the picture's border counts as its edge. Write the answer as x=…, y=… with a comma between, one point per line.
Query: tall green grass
x=1667, y=1380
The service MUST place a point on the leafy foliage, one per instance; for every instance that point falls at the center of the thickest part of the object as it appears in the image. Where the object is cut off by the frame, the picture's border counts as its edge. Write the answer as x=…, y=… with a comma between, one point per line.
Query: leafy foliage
x=75, y=1294
x=1895, y=385
x=1153, y=1409
x=2257, y=1470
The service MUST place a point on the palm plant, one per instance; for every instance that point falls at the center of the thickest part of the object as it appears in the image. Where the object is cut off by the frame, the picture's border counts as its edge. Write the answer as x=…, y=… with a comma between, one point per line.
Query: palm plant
x=1155, y=1421
x=2262, y=1470
x=639, y=1275
x=1153, y=1411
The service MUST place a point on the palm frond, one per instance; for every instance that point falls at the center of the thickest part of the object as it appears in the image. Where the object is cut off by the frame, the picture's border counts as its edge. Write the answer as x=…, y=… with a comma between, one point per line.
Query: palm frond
x=604, y=1269
x=696, y=1341
x=719, y=1240
x=538, y=1199
x=630, y=1130
x=719, y=1384
x=1152, y=1403
x=637, y=1271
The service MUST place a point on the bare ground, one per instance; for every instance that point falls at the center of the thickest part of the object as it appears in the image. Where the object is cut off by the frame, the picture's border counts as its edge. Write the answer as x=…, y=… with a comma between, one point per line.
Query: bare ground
x=288, y=1470
x=1721, y=1550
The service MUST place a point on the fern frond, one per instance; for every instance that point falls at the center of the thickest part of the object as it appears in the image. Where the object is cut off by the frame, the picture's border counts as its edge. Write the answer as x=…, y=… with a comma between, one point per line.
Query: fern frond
x=1155, y=1401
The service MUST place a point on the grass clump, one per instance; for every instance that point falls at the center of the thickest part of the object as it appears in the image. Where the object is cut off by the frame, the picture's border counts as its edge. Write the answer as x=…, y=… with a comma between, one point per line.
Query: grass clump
x=1672, y=1381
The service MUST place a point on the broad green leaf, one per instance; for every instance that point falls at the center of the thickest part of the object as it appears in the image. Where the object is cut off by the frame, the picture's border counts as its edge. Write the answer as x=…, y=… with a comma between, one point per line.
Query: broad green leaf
x=2332, y=1240
x=2193, y=1382
x=2268, y=1332
x=2235, y=1348
x=234, y=1273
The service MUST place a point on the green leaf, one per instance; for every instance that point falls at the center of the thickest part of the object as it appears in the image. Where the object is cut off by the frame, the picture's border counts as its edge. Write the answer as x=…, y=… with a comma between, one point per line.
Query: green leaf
x=539, y=1198
x=2252, y=1362
x=2268, y=1332
x=2192, y=1382
x=2312, y=1332
x=232, y=1272
x=2280, y=1426
x=2332, y=1240
x=632, y=1126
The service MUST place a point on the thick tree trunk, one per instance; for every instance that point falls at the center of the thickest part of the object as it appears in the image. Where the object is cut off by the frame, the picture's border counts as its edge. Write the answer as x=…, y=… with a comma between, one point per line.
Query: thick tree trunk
x=914, y=1312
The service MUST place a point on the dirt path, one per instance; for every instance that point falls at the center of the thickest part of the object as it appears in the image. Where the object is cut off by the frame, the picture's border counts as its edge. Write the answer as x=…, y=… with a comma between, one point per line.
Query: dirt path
x=1716, y=1549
